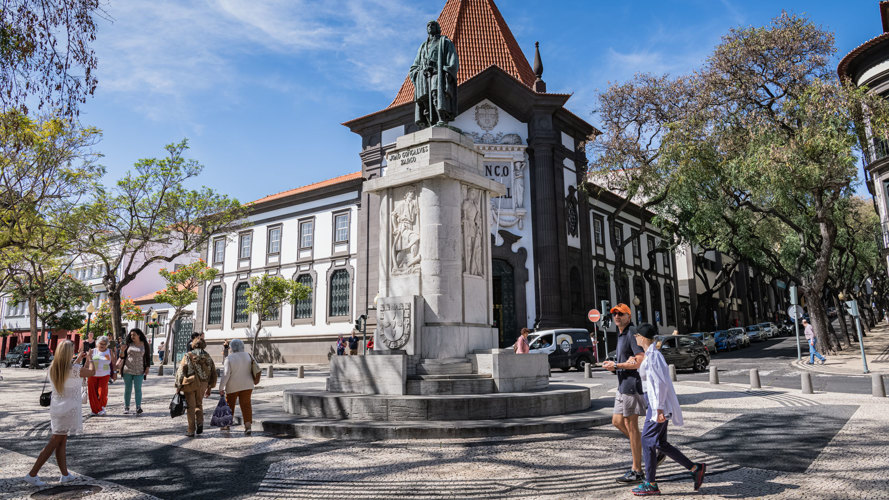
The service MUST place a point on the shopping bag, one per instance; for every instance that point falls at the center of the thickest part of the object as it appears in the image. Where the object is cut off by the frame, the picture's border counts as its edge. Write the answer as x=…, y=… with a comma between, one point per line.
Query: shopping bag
x=177, y=405
x=222, y=416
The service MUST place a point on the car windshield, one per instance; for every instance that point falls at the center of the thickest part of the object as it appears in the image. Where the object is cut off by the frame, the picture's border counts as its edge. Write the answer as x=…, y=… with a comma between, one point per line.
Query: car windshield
x=752, y=328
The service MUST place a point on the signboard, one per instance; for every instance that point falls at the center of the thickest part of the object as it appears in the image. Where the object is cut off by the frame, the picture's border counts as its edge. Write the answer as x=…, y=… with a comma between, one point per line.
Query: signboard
x=594, y=315
x=657, y=317
x=795, y=312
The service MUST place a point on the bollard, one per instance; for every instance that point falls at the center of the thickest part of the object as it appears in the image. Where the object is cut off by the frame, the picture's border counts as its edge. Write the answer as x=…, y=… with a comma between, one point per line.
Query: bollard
x=806, y=382
x=160, y=370
x=878, y=390
x=673, y=373
x=271, y=372
x=754, y=379
x=587, y=370
x=714, y=375
x=301, y=373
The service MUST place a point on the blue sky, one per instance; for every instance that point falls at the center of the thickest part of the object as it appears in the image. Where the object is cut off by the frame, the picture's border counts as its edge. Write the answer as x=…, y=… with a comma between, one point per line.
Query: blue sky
x=260, y=87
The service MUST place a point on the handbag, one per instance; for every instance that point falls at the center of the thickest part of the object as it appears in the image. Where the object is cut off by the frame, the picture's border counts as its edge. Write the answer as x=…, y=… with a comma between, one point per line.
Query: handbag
x=222, y=416
x=84, y=392
x=257, y=371
x=45, y=397
x=118, y=366
x=177, y=405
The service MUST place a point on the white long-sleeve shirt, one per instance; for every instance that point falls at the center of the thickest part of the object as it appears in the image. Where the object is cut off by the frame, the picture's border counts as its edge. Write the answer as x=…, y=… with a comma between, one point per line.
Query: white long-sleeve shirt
x=658, y=387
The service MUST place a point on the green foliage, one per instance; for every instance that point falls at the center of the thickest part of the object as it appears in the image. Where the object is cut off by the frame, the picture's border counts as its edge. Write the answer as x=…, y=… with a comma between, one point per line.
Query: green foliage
x=267, y=293
x=182, y=284
x=68, y=320
x=101, y=323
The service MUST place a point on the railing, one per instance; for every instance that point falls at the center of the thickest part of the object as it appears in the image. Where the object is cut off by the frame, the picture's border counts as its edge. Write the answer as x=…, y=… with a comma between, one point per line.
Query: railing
x=883, y=236
x=876, y=150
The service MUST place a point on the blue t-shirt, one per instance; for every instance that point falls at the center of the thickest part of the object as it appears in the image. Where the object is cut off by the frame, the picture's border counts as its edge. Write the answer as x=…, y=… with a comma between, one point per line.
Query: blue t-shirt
x=353, y=342
x=628, y=381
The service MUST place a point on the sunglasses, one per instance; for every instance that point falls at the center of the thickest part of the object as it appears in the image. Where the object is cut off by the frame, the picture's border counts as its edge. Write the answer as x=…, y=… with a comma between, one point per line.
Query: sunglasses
x=618, y=314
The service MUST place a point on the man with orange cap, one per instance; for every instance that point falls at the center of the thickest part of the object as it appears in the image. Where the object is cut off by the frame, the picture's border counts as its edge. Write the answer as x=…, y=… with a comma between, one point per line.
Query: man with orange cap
x=629, y=401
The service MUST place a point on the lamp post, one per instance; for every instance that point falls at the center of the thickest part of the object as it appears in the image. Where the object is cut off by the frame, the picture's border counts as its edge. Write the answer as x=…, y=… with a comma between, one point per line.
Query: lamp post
x=90, y=309
x=793, y=307
x=153, y=331
x=636, y=302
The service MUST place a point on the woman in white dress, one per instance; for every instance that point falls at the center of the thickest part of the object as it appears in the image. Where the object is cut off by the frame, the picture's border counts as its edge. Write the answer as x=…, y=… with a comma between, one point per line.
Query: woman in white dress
x=66, y=408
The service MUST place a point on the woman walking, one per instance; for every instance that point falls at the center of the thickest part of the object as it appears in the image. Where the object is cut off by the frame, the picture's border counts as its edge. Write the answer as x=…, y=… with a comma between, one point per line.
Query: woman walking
x=136, y=358
x=663, y=407
x=195, y=377
x=521, y=344
x=237, y=382
x=65, y=409
x=97, y=385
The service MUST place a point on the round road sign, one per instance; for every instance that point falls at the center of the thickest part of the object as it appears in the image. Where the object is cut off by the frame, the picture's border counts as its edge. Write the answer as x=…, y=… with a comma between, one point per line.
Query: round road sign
x=795, y=312
x=594, y=315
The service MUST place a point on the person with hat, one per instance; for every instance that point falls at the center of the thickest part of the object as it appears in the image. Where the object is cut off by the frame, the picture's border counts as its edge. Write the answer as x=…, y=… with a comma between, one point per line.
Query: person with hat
x=629, y=402
x=663, y=407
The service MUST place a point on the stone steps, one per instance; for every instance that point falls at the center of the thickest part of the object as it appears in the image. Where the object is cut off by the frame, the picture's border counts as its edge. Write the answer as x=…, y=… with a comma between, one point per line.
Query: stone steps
x=444, y=366
x=293, y=426
x=555, y=400
x=451, y=384
x=451, y=377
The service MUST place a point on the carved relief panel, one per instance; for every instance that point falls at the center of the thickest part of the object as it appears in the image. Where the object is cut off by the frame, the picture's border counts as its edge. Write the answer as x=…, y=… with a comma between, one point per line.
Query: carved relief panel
x=404, y=223
x=473, y=231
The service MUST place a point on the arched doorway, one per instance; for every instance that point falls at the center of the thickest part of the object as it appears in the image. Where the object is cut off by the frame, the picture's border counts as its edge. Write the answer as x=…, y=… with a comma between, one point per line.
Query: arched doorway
x=504, y=302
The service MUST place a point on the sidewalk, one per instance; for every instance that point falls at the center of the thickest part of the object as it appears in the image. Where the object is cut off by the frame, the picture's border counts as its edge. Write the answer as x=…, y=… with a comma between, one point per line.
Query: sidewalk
x=848, y=361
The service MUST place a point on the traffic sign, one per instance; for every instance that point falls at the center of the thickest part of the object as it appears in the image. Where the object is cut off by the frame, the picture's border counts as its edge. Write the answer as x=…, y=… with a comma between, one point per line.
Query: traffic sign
x=594, y=315
x=795, y=312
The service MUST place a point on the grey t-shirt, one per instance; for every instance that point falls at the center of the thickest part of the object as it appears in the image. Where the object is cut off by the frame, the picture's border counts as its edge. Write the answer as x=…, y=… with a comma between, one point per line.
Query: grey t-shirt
x=628, y=381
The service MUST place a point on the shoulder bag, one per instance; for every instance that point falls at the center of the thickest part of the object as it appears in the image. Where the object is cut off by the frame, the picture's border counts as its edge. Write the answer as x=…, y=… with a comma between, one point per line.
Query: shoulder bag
x=118, y=367
x=189, y=382
x=45, y=397
x=257, y=371
x=177, y=405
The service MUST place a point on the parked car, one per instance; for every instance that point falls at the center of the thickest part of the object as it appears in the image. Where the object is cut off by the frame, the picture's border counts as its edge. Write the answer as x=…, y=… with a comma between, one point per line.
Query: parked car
x=741, y=337
x=684, y=351
x=771, y=328
x=724, y=341
x=755, y=333
x=21, y=355
x=707, y=339
x=566, y=347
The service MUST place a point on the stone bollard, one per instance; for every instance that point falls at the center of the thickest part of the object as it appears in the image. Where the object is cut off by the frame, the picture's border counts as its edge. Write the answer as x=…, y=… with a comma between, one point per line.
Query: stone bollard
x=301, y=372
x=806, y=383
x=754, y=379
x=878, y=390
x=271, y=372
x=673, y=373
x=587, y=370
x=160, y=370
x=714, y=375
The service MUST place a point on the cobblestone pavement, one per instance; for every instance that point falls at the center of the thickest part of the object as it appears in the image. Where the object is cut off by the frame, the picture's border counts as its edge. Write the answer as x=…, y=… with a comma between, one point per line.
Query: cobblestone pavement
x=848, y=362
x=768, y=443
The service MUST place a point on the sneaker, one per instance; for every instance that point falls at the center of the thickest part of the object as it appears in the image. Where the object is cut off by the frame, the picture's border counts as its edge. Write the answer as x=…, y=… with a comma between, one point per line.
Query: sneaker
x=200, y=429
x=646, y=489
x=101, y=413
x=67, y=479
x=34, y=480
x=631, y=477
x=138, y=411
x=126, y=411
x=698, y=474
x=823, y=361
x=189, y=434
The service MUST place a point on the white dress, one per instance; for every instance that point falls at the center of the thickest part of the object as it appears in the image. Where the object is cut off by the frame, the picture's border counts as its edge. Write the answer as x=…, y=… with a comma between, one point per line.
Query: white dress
x=66, y=409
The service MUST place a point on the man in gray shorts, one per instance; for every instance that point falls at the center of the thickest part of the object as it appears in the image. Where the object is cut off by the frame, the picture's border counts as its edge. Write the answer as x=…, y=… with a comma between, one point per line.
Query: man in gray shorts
x=629, y=401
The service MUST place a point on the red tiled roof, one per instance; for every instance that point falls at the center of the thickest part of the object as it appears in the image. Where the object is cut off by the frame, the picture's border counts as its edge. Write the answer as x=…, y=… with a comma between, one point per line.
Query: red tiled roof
x=309, y=187
x=147, y=298
x=482, y=39
x=843, y=67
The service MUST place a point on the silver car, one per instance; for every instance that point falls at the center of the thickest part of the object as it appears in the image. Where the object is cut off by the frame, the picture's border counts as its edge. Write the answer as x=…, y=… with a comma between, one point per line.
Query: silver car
x=741, y=337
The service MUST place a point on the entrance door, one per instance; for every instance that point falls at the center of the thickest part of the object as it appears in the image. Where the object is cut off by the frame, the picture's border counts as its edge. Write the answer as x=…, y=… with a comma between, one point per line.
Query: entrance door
x=504, y=302
x=182, y=331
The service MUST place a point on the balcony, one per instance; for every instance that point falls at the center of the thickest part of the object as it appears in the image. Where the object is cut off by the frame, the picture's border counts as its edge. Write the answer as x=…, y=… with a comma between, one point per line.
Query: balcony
x=883, y=238
x=875, y=151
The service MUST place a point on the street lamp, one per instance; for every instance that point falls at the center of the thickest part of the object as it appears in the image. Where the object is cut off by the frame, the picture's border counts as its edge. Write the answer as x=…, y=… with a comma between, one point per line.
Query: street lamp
x=153, y=330
x=90, y=309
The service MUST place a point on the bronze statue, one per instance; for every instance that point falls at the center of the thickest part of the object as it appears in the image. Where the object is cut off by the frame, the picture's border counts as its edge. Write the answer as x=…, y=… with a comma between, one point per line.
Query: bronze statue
x=434, y=74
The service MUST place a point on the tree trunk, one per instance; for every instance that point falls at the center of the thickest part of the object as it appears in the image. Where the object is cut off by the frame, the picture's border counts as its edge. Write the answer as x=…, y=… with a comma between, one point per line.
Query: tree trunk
x=817, y=316
x=35, y=347
x=841, y=319
x=256, y=334
x=116, y=313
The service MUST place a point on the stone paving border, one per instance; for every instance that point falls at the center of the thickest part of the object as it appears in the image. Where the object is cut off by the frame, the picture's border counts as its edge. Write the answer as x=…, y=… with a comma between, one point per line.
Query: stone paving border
x=848, y=361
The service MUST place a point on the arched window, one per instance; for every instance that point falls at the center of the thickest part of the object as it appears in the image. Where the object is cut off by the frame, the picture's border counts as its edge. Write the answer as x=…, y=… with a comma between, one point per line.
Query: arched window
x=302, y=309
x=657, y=315
x=339, y=293
x=241, y=315
x=639, y=292
x=576, y=289
x=669, y=305
x=603, y=287
x=214, y=306
x=625, y=289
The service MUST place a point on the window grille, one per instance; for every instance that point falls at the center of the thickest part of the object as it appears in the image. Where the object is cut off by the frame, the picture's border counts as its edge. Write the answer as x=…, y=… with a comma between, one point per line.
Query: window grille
x=215, y=306
x=303, y=308
x=246, y=242
x=241, y=315
x=339, y=293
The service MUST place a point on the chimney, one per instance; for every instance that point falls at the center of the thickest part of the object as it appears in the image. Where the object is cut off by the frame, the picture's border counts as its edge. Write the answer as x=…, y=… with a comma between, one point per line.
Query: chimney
x=539, y=84
x=884, y=14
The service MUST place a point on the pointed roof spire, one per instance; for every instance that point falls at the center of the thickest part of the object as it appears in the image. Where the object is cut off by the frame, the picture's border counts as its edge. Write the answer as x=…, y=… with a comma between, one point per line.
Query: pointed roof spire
x=482, y=39
x=539, y=84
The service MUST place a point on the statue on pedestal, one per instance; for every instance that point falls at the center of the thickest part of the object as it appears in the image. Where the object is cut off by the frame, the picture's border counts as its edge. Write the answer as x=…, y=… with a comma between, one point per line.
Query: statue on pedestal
x=434, y=74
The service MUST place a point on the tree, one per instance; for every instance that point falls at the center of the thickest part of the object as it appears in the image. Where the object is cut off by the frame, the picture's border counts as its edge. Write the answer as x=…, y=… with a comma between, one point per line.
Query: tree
x=182, y=290
x=267, y=293
x=45, y=53
x=772, y=141
x=151, y=217
x=103, y=322
x=63, y=296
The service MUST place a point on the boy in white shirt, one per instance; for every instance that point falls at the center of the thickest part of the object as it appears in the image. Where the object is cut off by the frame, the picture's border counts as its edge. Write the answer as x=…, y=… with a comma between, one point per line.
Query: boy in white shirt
x=663, y=406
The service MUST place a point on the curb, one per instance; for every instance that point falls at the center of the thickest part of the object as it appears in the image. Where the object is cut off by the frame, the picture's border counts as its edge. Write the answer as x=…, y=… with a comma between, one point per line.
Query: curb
x=804, y=366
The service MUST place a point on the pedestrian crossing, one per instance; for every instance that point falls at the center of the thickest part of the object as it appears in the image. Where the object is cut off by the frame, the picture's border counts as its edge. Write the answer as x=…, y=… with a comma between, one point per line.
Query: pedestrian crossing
x=783, y=399
x=599, y=480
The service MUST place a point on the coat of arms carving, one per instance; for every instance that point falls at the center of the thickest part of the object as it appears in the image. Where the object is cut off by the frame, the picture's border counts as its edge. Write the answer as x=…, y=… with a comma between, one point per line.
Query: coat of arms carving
x=486, y=116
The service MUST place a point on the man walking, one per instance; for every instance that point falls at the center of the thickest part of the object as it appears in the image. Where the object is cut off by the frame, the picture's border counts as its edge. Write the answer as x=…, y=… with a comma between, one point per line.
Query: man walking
x=812, y=340
x=353, y=344
x=629, y=401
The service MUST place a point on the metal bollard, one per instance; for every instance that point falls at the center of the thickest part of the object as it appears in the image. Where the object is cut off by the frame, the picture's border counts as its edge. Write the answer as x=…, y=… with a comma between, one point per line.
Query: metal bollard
x=301, y=372
x=673, y=373
x=587, y=370
x=714, y=375
x=878, y=390
x=271, y=372
x=754, y=379
x=806, y=383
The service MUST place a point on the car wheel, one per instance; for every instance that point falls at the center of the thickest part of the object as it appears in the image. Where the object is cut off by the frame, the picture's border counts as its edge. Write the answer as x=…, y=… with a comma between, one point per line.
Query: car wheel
x=580, y=362
x=700, y=364
x=565, y=368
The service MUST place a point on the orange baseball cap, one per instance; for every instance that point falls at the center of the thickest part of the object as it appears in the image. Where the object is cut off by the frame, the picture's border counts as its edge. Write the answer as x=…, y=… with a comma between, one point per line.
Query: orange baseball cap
x=623, y=308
